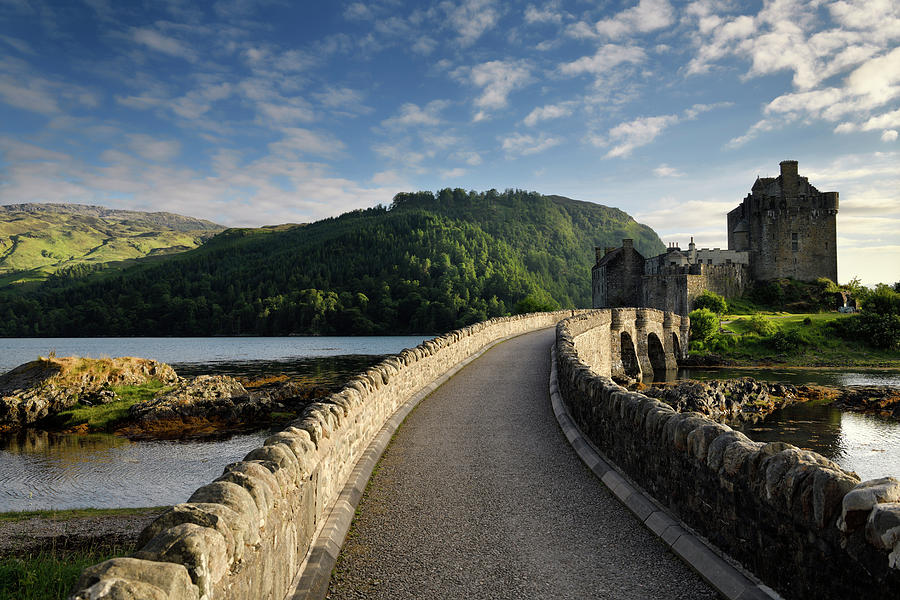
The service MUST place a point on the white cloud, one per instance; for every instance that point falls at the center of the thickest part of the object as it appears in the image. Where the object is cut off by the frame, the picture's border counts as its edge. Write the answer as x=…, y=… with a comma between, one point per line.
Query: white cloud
x=154, y=149
x=411, y=115
x=453, y=173
x=167, y=45
x=473, y=159
x=889, y=135
x=471, y=18
x=627, y=136
x=285, y=114
x=550, y=111
x=299, y=141
x=665, y=170
x=497, y=79
x=358, y=10
x=521, y=144
x=550, y=13
x=607, y=57
x=647, y=16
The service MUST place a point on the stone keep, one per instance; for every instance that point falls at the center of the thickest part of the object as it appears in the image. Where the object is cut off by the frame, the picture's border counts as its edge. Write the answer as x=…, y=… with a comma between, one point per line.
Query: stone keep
x=785, y=227
x=788, y=227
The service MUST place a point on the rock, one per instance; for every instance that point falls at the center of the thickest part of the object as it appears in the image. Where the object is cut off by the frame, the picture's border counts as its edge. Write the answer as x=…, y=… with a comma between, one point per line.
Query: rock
x=46, y=386
x=203, y=396
x=862, y=499
x=883, y=525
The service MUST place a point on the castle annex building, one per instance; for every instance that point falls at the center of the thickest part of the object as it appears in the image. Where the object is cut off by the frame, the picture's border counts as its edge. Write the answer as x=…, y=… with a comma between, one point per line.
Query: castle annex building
x=784, y=228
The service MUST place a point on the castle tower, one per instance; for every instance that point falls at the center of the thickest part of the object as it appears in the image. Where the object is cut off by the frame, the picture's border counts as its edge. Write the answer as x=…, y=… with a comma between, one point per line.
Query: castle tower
x=788, y=227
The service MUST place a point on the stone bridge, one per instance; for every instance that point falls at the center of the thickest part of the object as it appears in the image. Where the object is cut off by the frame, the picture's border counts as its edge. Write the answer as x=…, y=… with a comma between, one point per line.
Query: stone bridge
x=480, y=496
x=635, y=343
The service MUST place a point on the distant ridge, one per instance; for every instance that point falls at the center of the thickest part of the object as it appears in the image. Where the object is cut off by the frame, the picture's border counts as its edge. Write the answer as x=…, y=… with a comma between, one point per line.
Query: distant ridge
x=41, y=240
x=167, y=220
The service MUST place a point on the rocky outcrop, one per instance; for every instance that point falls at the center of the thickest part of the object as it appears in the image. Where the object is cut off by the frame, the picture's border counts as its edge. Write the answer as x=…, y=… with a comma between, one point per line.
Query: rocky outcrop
x=728, y=400
x=212, y=404
x=46, y=386
x=878, y=400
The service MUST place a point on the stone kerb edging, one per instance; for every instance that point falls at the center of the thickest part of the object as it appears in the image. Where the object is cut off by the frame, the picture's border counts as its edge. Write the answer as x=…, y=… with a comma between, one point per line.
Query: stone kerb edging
x=246, y=534
x=792, y=517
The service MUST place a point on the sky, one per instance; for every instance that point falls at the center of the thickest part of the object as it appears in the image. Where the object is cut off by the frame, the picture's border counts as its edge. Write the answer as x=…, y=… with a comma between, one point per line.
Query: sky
x=254, y=112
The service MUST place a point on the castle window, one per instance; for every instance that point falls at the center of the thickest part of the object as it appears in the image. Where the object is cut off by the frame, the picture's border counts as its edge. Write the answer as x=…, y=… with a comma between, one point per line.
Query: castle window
x=795, y=244
x=709, y=261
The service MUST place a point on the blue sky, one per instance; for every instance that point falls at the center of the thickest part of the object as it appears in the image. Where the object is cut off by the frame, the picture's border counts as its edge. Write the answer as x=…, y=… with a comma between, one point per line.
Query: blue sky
x=258, y=112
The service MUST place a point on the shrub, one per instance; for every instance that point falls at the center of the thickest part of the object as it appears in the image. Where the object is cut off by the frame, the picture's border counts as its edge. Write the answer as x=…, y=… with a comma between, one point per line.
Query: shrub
x=789, y=341
x=711, y=301
x=761, y=325
x=704, y=324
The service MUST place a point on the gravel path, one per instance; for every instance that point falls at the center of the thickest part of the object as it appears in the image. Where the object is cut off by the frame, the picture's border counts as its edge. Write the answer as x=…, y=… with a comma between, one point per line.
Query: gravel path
x=480, y=496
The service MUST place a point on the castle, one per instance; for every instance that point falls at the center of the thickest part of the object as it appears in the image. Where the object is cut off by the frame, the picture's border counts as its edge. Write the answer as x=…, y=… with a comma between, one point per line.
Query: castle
x=784, y=228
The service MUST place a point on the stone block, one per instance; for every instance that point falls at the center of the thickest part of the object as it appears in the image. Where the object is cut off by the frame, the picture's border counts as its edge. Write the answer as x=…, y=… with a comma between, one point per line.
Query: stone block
x=883, y=525
x=201, y=550
x=133, y=579
x=194, y=513
x=863, y=498
x=234, y=497
x=699, y=440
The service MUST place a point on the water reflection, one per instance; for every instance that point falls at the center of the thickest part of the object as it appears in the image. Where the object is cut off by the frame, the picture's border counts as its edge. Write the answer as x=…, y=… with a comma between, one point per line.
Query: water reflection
x=798, y=376
x=55, y=471
x=863, y=443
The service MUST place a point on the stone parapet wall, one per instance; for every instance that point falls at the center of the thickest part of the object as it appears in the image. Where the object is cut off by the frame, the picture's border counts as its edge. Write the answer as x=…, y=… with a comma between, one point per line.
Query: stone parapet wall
x=797, y=520
x=245, y=535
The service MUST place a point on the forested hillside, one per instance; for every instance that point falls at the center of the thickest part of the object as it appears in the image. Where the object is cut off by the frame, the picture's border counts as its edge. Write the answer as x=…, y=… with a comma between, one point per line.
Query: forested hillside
x=38, y=240
x=426, y=264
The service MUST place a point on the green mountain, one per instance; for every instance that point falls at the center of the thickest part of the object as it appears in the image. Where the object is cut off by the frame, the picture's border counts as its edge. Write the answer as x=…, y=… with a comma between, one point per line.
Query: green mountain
x=38, y=240
x=428, y=263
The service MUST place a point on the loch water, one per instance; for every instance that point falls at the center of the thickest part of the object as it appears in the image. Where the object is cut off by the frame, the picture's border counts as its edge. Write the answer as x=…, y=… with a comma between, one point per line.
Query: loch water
x=866, y=444
x=41, y=470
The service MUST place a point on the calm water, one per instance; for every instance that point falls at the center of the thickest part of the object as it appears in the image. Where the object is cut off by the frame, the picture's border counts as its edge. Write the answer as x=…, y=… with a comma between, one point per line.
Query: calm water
x=15, y=351
x=866, y=444
x=43, y=471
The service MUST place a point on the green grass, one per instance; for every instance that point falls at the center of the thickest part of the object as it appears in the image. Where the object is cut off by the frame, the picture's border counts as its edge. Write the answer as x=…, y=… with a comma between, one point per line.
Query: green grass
x=805, y=340
x=103, y=417
x=74, y=513
x=49, y=574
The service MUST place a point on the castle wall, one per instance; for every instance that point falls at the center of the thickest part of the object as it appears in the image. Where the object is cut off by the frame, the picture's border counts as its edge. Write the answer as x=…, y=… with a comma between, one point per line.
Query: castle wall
x=676, y=288
x=795, y=519
x=617, y=280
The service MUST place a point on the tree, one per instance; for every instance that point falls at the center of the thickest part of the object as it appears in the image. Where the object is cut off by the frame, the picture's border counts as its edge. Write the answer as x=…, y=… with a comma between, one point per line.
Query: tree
x=712, y=301
x=704, y=324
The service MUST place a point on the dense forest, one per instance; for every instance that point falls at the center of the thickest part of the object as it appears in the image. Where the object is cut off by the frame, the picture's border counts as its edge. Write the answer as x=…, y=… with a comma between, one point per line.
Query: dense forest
x=428, y=263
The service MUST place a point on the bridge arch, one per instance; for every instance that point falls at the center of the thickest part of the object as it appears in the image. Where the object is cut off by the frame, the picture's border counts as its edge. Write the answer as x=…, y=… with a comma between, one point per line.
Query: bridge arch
x=657, y=355
x=631, y=366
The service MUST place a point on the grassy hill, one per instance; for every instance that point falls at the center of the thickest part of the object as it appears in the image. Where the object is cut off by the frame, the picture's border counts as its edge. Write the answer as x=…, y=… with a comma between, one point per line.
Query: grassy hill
x=428, y=263
x=38, y=240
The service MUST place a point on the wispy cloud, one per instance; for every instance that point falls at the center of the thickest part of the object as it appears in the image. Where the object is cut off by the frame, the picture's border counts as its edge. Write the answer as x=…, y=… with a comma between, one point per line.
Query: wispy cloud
x=155, y=40
x=523, y=144
x=548, y=112
x=647, y=16
x=412, y=115
x=497, y=79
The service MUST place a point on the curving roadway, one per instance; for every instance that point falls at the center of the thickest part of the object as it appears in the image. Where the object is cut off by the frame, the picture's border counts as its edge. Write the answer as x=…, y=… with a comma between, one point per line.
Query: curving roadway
x=479, y=495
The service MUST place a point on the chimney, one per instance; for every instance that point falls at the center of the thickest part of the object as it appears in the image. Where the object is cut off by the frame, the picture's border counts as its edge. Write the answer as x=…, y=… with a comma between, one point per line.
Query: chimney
x=790, y=181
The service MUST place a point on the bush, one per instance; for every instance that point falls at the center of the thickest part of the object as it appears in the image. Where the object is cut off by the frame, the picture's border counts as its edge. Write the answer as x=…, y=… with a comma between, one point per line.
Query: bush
x=704, y=324
x=882, y=301
x=711, y=301
x=789, y=341
x=761, y=325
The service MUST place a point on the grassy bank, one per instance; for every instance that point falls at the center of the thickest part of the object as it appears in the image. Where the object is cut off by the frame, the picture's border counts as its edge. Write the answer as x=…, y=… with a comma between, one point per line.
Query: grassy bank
x=105, y=417
x=809, y=340
x=49, y=574
x=39, y=563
